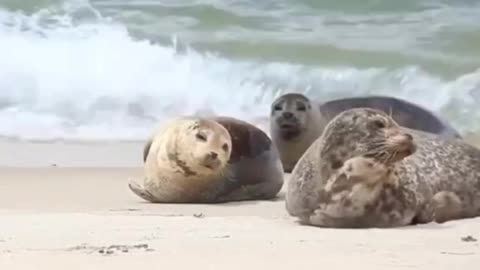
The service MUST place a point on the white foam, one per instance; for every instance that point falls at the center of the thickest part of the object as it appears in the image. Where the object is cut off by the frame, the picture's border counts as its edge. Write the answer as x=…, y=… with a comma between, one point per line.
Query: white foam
x=61, y=78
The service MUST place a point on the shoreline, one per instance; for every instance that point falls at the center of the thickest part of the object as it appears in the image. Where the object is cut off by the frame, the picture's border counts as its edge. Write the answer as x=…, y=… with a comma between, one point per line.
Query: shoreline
x=80, y=214
x=65, y=153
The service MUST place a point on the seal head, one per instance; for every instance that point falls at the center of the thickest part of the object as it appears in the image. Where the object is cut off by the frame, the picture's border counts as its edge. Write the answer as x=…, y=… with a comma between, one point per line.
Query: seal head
x=202, y=148
x=365, y=133
x=290, y=114
x=295, y=123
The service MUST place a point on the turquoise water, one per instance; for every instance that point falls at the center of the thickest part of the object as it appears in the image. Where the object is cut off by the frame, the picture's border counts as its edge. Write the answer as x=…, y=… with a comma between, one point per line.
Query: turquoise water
x=114, y=68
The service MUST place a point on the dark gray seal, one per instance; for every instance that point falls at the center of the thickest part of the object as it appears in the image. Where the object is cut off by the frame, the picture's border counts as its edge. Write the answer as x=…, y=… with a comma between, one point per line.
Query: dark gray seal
x=413, y=177
x=296, y=121
x=405, y=113
x=209, y=160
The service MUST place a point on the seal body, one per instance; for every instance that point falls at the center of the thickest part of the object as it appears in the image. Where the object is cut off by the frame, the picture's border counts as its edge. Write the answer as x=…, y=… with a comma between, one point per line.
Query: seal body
x=405, y=113
x=365, y=170
x=209, y=160
x=296, y=121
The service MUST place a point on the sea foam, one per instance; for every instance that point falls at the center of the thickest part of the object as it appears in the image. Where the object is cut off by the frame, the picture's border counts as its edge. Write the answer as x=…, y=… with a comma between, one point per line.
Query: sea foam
x=62, y=77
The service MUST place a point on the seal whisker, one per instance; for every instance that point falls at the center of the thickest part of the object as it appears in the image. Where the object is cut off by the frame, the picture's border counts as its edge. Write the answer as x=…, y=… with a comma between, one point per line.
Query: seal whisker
x=377, y=149
x=385, y=157
x=389, y=157
x=394, y=155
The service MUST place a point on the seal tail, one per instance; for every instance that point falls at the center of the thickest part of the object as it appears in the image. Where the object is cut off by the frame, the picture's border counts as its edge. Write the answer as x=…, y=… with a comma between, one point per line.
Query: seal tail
x=140, y=191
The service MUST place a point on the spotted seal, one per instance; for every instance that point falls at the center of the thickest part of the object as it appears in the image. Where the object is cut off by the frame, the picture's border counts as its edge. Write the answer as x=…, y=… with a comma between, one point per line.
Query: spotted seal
x=296, y=121
x=365, y=170
x=209, y=160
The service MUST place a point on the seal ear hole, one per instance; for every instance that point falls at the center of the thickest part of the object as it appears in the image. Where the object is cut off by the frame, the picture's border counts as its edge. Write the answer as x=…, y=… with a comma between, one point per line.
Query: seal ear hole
x=201, y=137
x=225, y=147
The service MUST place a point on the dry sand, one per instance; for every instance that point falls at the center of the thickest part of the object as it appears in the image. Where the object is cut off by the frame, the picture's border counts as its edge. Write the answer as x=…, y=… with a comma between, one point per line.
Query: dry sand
x=79, y=214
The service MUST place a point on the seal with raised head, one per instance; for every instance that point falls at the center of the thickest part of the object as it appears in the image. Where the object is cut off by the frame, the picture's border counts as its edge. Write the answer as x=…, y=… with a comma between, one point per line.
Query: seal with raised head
x=365, y=170
x=209, y=160
x=296, y=121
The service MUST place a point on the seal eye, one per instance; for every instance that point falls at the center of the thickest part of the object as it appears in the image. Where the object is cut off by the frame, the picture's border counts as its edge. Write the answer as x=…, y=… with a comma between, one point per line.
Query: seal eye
x=301, y=107
x=225, y=147
x=201, y=137
x=379, y=123
x=277, y=108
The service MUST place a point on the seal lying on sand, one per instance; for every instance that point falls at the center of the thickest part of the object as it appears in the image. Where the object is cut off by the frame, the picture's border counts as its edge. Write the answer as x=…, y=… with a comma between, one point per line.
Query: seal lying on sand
x=209, y=160
x=296, y=121
x=367, y=171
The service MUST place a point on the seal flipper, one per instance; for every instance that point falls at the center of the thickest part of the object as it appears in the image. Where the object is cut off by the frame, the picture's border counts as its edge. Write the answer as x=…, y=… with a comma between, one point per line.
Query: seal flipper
x=231, y=189
x=248, y=193
x=239, y=194
x=425, y=214
x=442, y=207
x=140, y=191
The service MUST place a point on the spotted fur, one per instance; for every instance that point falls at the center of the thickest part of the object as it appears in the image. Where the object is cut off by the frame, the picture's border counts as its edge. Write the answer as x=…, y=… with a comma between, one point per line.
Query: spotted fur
x=439, y=180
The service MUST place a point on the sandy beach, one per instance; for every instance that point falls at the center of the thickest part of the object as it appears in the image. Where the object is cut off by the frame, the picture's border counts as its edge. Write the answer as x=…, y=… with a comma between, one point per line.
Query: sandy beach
x=115, y=70
x=67, y=206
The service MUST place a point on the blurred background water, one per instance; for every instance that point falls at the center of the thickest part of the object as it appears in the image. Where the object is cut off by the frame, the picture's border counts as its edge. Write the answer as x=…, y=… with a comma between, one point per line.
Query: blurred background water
x=112, y=69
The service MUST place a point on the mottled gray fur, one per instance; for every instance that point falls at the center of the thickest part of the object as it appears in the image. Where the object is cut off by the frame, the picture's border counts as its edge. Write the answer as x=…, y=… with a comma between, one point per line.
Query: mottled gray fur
x=440, y=181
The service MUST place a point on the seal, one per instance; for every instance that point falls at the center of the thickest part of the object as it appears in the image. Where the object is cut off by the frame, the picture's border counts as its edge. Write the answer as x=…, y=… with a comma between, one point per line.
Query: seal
x=296, y=121
x=365, y=170
x=209, y=160
x=405, y=113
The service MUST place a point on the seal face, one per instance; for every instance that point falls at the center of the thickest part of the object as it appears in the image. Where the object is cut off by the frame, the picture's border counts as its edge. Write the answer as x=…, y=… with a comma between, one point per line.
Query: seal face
x=290, y=114
x=209, y=148
x=209, y=160
x=368, y=171
x=296, y=121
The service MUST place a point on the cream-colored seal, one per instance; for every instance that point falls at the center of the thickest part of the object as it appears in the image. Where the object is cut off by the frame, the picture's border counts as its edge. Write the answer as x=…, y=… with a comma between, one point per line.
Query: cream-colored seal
x=367, y=171
x=184, y=160
x=209, y=160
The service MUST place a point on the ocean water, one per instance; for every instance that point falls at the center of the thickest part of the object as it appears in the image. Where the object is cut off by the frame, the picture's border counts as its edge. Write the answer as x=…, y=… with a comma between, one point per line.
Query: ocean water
x=114, y=69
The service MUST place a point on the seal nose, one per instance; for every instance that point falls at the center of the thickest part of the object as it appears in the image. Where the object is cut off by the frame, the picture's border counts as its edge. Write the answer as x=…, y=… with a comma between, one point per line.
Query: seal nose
x=211, y=161
x=287, y=115
x=213, y=155
x=400, y=138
